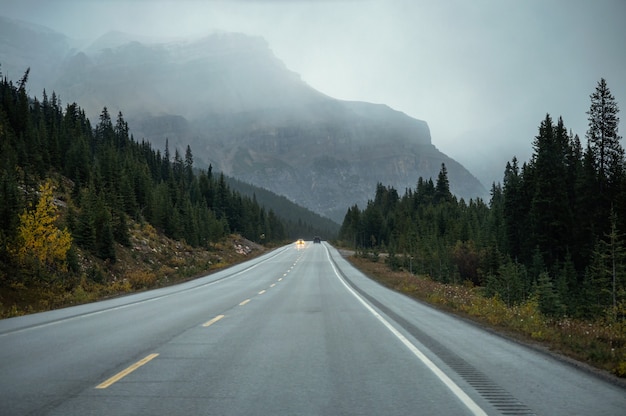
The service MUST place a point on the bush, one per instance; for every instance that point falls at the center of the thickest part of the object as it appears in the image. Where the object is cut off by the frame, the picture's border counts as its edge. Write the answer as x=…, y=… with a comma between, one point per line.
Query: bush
x=141, y=279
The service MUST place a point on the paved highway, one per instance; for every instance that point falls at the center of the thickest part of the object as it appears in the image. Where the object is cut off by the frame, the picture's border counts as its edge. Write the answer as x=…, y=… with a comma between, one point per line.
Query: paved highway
x=297, y=331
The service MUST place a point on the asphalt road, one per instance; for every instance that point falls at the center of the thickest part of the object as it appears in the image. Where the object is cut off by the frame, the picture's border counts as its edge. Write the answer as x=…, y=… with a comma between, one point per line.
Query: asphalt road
x=294, y=332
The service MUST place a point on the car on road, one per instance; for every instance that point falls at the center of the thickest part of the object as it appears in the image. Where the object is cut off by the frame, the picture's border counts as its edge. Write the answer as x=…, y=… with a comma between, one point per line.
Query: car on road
x=317, y=239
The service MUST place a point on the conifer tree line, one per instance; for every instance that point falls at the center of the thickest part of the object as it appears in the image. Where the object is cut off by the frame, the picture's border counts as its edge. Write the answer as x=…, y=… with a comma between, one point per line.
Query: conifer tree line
x=553, y=229
x=111, y=179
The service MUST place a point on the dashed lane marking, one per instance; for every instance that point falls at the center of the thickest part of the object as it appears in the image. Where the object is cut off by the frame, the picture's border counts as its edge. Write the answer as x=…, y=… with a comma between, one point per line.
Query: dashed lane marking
x=212, y=321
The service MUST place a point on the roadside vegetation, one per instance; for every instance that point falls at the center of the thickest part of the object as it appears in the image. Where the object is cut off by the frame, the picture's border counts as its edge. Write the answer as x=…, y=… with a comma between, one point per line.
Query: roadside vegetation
x=151, y=261
x=599, y=343
x=88, y=212
x=544, y=258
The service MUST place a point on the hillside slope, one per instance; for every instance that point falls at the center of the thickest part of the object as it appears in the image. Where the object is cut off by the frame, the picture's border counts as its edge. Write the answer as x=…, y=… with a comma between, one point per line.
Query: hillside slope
x=245, y=113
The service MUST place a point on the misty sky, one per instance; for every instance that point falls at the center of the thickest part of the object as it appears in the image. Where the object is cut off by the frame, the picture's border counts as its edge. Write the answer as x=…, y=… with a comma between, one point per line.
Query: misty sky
x=483, y=74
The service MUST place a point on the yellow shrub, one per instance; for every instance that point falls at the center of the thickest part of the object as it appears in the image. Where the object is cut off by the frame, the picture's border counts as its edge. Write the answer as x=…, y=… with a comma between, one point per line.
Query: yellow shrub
x=120, y=286
x=141, y=279
x=38, y=236
x=620, y=369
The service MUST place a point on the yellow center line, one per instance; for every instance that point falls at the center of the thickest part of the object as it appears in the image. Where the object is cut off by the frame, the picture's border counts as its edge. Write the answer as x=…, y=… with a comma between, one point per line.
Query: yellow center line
x=261, y=292
x=212, y=321
x=126, y=372
x=244, y=302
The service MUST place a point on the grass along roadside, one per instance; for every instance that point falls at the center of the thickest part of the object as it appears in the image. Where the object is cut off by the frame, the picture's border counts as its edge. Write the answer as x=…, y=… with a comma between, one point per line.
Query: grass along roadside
x=600, y=344
x=151, y=261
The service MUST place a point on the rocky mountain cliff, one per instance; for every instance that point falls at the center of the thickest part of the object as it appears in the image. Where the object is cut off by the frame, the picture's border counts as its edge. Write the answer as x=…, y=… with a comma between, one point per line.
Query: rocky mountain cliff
x=241, y=110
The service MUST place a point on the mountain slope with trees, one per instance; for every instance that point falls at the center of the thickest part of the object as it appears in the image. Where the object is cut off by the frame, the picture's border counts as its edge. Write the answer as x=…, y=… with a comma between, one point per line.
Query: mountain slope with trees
x=69, y=191
x=299, y=222
x=243, y=112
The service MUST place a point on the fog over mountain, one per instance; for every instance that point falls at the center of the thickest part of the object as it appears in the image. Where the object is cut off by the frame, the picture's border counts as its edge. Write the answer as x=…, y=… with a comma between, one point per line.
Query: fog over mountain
x=241, y=110
x=483, y=73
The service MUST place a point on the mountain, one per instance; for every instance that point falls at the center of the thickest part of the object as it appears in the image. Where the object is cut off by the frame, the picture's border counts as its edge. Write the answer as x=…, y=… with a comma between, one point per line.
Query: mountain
x=334, y=160
x=24, y=45
x=244, y=112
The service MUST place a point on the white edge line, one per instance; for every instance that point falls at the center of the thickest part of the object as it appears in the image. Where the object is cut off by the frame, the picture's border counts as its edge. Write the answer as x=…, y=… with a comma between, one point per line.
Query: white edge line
x=458, y=392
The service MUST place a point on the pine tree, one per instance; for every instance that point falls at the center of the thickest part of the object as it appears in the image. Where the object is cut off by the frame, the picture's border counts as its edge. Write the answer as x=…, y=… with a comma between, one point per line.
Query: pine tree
x=550, y=212
x=105, y=132
x=121, y=131
x=515, y=212
x=121, y=232
x=178, y=168
x=549, y=300
x=616, y=259
x=188, y=166
x=105, y=239
x=10, y=198
x=442, y=188
x=350, y=228
x=603, y=136
x=84, y=229
x=166, y=167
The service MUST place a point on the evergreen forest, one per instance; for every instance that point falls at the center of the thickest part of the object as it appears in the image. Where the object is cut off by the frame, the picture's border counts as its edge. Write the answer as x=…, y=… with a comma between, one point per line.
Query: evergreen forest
x=66, y=185
x=553, y=230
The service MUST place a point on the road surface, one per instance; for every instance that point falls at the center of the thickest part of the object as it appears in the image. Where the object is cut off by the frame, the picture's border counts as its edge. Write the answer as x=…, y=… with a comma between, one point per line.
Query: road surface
x=297, y=331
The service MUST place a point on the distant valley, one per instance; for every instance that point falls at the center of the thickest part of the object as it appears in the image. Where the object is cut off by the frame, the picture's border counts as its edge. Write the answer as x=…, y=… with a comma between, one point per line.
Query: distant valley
x=240, y=109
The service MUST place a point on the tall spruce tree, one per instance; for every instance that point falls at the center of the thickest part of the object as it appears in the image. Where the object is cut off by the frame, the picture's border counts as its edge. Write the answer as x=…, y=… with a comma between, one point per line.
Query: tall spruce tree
x=442, y=189
x=604, y=139
x=549, y=212
x=515, y=209
x=607, y=157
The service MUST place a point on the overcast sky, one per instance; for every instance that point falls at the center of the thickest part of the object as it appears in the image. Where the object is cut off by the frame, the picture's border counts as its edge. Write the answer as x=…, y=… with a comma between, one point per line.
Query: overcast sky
x=483, y=74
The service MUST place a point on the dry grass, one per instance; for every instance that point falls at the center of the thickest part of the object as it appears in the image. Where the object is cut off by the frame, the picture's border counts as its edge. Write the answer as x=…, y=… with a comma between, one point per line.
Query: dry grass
x=600, y=343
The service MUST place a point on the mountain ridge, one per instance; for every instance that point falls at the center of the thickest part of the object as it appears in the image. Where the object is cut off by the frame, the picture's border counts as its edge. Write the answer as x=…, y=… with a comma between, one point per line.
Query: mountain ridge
x=244, y=112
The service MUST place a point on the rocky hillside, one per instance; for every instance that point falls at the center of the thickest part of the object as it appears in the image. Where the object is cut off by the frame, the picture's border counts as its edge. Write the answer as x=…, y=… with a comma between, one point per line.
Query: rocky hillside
x=242, y=111
x=151, y=261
